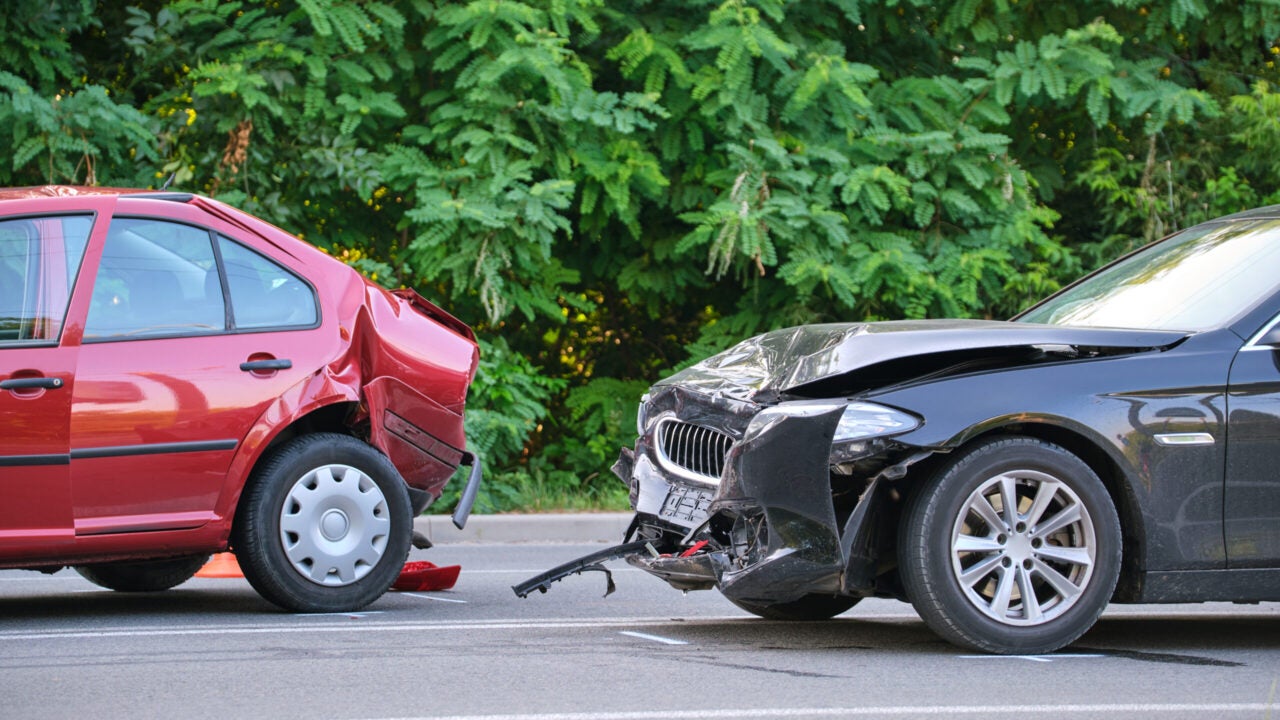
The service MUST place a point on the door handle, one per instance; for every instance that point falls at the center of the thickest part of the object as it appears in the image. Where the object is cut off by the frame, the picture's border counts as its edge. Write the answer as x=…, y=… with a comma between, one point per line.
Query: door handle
x=31, y=383
x=266, y=365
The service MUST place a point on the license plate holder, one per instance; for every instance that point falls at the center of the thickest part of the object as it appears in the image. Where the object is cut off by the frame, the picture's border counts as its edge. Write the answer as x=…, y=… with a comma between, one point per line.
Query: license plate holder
x=687, y=505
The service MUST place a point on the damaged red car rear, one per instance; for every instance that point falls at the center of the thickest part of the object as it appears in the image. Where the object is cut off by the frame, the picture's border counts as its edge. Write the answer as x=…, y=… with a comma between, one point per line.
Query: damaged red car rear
x=178, y=378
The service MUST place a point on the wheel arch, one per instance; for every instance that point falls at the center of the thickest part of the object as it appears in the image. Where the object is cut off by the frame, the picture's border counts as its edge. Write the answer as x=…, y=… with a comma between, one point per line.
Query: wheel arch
x=1103, y=464
x=332, y=417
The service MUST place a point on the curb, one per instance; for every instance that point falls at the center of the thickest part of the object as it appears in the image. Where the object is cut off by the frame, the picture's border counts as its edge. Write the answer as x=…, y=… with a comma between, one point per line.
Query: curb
x=540, y=528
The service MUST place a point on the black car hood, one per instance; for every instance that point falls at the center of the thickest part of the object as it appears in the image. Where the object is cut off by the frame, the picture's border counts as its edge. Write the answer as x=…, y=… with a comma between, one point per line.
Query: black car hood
x=762, y=368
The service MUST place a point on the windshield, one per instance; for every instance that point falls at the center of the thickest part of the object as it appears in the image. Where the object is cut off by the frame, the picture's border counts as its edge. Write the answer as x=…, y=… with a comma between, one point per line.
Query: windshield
x=1198, y=279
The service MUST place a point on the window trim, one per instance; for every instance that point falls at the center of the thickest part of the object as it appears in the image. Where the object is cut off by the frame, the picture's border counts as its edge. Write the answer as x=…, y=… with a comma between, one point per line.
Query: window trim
x=226, y=291
x=93, y=216
x=229, y=327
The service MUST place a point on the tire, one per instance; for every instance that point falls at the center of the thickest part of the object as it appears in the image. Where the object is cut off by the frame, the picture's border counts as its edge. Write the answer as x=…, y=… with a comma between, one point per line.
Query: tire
x=324, y=525
x=144, y=576
x=807, y=609
x=968, y=567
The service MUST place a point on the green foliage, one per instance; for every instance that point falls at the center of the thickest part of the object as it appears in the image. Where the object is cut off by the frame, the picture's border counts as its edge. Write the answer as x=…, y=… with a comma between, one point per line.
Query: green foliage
x=601, y=419
x=507, y=403
x=612, y=191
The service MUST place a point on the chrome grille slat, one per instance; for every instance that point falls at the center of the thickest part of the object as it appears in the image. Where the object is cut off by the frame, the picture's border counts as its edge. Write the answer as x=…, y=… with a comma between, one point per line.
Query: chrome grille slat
x=693, y=450
x=697, y=444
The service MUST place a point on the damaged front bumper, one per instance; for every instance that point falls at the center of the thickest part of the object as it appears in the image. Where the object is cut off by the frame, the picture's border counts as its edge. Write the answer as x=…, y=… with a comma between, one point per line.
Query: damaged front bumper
x=765, y=503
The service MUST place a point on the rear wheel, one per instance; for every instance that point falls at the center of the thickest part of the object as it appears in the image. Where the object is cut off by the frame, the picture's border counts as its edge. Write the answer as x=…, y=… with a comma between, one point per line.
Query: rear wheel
x=324, y=525
x=144, y=576
x=1014, y=547
x=807, y=608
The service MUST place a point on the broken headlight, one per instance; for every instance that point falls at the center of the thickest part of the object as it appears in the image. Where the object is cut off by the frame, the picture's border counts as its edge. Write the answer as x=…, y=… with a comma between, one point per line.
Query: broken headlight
x=863, y=420
x=862, y=426
x=642, y=414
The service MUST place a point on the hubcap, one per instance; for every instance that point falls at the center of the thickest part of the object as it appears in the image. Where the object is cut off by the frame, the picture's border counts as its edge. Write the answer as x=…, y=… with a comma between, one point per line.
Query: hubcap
x=1023, y=548
x=334, y=525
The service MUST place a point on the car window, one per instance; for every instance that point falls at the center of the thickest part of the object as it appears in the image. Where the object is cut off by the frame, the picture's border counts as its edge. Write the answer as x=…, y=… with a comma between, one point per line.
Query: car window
x=264, y=294
x=39, y=260
x=156, y=278
x=1199, y=279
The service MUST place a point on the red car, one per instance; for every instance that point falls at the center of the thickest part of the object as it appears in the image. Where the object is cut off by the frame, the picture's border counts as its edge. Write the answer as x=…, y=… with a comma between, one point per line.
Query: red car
x=178, y=377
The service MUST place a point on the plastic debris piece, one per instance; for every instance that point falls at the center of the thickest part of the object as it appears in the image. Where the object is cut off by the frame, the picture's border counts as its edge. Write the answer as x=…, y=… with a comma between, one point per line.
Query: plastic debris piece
x=423, y=576
x=694, y=549
x=587, y=563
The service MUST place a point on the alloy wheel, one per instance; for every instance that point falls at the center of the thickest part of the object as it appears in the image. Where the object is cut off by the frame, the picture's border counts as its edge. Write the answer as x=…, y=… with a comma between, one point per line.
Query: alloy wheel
x=1023, y=548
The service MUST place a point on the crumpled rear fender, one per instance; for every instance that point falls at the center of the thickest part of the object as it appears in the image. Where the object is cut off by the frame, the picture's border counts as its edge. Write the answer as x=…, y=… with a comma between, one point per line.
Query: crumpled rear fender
x=404, y=369
x=414, y=364
x=422, y=438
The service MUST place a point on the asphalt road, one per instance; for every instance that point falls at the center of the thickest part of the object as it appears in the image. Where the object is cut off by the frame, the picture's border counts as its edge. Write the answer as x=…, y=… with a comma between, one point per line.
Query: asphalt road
x=213, y=649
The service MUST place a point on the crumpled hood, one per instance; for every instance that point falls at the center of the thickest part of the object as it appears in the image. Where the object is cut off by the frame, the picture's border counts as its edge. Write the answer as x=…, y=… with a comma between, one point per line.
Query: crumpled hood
x=760, y=368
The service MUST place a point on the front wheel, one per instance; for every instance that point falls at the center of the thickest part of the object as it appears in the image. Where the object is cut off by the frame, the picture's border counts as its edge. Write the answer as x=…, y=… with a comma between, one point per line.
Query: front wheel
x=1013, y=548
x=324, y=525
x=807, y=608
x=145, y=575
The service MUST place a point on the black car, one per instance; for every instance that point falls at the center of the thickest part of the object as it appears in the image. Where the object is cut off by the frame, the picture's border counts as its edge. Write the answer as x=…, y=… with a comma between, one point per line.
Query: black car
x=1118, y=442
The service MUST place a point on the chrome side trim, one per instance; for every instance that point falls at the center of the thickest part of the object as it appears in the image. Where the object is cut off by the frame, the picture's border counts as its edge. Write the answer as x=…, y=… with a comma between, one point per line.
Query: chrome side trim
x=1184, y=439
x=1252, y=344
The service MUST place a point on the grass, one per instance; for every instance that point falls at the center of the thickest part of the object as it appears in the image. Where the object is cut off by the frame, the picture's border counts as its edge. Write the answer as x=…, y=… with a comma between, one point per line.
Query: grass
x=523, y=492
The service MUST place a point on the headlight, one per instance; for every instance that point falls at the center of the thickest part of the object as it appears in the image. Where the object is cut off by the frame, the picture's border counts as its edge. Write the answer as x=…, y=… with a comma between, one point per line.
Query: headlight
x=640, y=414
x=862, y=420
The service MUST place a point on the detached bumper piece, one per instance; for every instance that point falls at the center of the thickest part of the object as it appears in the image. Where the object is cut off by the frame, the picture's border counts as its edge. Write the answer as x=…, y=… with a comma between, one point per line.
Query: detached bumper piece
x=468, y=499
x=587, y=563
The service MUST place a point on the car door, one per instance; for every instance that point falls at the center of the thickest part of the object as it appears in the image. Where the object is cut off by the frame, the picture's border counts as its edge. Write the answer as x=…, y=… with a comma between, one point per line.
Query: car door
x=1252, y=510
x=172, y=375
x=39, y=259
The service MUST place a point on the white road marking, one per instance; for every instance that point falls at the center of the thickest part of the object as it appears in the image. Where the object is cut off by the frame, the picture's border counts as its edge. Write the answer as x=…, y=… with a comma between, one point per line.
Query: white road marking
x=361, y=614
x=399, y=627
x=881, y=711
x=655, y=638
x=432, y=597
x=1034, y=658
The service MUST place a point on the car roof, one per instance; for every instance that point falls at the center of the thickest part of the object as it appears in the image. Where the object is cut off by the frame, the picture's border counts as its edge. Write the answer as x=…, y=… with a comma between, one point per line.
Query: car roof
x=1268, y=212
x=48, y=191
